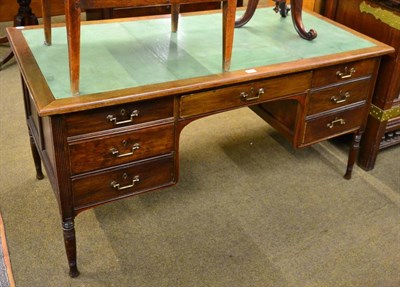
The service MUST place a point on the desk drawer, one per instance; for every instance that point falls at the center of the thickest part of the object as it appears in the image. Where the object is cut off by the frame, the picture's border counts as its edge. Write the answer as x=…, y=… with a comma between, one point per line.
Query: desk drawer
x=331, y=98
x=341, y=73
x=119, y=116
x=243, y=94
x=331, y=125
x=123, y=181
x=121, y=148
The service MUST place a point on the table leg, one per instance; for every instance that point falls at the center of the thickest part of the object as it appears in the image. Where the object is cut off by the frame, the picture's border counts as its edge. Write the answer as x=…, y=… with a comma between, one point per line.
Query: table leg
x=73, y=23
x=175, y=8
x=7, y=57
x=248, y=14
x=46, y=21
x=24, y=17
x=228, y=26
x=70, y=246
x=281, y=7
x=354, y=147
x=297, y=7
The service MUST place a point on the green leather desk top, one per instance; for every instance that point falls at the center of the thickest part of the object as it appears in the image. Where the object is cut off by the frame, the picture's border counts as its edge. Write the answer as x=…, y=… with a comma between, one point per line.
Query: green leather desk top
x=135, y=53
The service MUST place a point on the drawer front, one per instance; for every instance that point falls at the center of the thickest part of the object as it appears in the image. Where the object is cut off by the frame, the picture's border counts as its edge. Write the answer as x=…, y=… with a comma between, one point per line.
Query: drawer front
x=119, y=116
x=243, y=94
x=327, y=99
x=124, y=181
x=324, y=127
x=121, y=148
x=342, y=73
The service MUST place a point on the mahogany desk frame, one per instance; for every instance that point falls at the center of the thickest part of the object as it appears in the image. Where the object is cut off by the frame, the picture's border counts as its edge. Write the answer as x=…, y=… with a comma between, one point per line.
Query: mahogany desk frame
x=300, y=89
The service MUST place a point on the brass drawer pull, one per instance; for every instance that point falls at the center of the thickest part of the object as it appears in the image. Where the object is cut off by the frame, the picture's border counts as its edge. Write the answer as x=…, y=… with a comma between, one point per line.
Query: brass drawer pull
x=116, y=153
x=346, y=74
x=111, y=118
x=117, y=186
x=342, y=97
x=336, y=121
x=245, y=96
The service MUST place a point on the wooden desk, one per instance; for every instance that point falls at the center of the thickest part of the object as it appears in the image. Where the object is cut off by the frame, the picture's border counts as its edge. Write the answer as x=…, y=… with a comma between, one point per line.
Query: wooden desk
x=120, y=137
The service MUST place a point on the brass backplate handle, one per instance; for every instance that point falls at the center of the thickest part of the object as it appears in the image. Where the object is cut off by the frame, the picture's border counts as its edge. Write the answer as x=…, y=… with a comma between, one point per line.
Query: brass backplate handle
x=117, y=186
x=347, y=73
x=341, y=98
x=246, y=97
x=113, y=119
x=336, y=121
x=116, y=153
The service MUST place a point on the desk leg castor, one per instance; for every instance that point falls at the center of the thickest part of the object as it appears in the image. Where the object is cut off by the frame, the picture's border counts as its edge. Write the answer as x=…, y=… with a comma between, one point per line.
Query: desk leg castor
x=70, y=246
x=355, y=146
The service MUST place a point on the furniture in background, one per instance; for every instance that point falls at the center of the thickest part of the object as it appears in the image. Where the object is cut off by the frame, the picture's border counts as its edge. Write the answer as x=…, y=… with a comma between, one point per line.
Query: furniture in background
x=8, y=56
x=112, y=13
x=73, y=10
x=379, y=19
x=24, y=17
x=118, y=142
x=296, y=7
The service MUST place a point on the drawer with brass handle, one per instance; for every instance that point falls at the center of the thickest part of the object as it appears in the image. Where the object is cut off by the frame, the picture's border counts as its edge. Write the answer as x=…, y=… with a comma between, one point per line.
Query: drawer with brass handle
x=338, y=96
x=125, y=180
x=343, y=72
x=115, y=149
x=243, y=94
x=119, y=116
x=333, y=124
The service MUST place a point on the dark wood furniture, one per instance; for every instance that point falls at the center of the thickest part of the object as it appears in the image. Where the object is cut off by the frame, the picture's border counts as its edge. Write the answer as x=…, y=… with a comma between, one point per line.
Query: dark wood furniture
x=73, y=10
x=380, y=20
x=112, y=13
x=282, y=8
x=24, y=17
x=108, y=145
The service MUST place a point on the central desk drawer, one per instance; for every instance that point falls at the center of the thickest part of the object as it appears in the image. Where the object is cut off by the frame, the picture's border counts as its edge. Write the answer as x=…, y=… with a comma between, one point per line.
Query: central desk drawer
x=243, y=94
x=119, y=116
x=111, y=150
x=123, y=181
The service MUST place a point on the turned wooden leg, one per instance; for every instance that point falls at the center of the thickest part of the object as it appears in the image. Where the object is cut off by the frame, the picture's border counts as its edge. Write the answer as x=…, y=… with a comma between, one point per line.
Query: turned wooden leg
x=354, y=147
x=70, y=246
x=281, y=7
x=25, y=16
x=228, y=26
x=296, y=8
x=248, y=14
x=46, y=21
x=36, y=158
x=73, y=23
x=6, y=58
x=175, y=8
